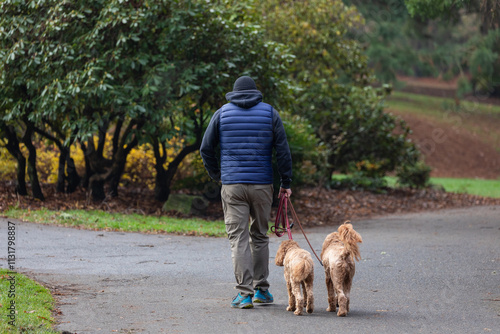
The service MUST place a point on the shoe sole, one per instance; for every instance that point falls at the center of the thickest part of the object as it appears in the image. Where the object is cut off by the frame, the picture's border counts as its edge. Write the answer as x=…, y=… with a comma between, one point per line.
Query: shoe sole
x=260, y=301
x=242, y=307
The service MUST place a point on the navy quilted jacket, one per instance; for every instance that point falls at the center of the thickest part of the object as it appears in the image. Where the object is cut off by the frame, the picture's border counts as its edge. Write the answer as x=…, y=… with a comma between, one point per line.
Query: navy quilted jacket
x=247, y=130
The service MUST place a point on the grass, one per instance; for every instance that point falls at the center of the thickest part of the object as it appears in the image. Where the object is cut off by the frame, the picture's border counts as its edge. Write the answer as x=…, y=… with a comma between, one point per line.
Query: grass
x=33, y=305
x=100, y=220
x=431, y=105
x=485, y=188
x=479, y=187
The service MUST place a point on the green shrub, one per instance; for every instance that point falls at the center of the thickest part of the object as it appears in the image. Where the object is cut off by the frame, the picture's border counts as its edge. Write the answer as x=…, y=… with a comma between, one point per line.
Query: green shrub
x=360, y=181
x=308, y=153
x=414, y=175
x=363, y=138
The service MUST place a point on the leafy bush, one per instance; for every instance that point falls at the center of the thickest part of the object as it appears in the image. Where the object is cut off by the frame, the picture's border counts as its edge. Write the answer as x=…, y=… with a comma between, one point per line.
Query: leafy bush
x=359, y=181
x=139, y=168
x=309, y=161
x=192, y=174
x=7, y=165
x=414, y=175
x=363, y=138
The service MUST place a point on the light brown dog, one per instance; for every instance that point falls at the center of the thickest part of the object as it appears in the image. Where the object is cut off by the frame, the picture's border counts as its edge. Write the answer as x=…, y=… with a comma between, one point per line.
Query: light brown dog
x=340, y=249
x=299, y=270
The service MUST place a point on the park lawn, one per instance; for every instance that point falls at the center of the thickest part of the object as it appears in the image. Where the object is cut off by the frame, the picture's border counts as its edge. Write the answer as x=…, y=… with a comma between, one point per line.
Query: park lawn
x=432, y=105
x=480, y=187
x=485, y=188
x=33, y=305
x=100, y=220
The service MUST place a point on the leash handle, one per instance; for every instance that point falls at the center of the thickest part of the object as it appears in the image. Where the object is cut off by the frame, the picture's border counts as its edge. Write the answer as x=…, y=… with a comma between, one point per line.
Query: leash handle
x=282, y=217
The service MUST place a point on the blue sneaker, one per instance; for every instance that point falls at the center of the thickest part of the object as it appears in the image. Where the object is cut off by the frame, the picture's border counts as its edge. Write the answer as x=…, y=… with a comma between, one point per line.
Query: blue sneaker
x=263, y=297
x=242, y=302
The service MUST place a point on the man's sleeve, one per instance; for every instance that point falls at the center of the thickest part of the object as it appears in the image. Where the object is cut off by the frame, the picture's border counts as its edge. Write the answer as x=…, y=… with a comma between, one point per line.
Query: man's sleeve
x=283, y=155
x=208, y=147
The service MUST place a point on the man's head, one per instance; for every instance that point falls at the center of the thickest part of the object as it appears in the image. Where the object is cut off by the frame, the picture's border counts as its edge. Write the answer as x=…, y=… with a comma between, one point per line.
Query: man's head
x=244, y=83
x=245, y=93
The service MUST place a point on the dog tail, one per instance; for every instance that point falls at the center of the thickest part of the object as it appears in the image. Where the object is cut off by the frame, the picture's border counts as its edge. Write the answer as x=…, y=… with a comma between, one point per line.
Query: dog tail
x=350, y=239
x=303, y=269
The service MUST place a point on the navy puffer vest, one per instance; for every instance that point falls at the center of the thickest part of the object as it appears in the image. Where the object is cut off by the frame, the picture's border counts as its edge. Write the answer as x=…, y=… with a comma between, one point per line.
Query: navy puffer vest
x=246, y=143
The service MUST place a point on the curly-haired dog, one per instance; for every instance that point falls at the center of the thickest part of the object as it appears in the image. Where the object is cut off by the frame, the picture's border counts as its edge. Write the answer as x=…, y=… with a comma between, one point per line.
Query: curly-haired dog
x=340, y=249
x=299, y=270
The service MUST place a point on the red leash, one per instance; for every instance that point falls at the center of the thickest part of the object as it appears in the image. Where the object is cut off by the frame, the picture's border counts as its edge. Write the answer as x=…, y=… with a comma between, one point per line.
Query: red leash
x=282, y=218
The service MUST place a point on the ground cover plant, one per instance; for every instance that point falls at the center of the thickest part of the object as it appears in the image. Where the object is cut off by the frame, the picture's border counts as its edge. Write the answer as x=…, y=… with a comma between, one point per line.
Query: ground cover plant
x=33, y=303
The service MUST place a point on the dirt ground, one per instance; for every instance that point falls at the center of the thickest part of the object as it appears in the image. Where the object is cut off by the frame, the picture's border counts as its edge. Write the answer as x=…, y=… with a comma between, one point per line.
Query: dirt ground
x=449, y=145
x=453, y=151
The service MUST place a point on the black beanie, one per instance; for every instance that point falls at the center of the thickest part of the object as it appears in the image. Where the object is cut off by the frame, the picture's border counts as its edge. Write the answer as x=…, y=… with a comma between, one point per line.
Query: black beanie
x=244, y=83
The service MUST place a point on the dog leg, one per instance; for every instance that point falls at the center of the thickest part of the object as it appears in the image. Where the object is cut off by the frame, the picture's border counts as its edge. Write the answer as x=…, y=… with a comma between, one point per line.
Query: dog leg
x=304, y=291
x=347, y=287
x=348, y=297
x=348, y=301
x=332, y=301
x=339, y=283
x=341, y=298
x=291, y=297
x=299, y=300
x=342, y=305
x=308, y=289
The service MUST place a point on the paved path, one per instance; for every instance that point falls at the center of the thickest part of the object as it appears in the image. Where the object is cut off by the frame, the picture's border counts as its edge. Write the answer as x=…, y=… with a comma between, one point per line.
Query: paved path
x=420, y=273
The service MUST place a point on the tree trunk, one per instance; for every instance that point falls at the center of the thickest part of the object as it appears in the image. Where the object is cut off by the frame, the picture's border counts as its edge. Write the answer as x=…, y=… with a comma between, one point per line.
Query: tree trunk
x=13, y=148
x=88, y=170
x=97, y=170
x=117, y=172
x=119, y=165
x=61, y=171
x=161, y=191
x=164, y=177
x=97, y=189
x=21, y=175
x=73, y=177
x=32, y=171
x=121, y=150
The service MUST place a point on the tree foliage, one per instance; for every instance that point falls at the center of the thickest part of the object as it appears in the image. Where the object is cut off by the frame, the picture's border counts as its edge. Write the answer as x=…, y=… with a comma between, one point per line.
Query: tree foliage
x=335, y=92
x=428, y=38
x=143, y=71
x=147, y=72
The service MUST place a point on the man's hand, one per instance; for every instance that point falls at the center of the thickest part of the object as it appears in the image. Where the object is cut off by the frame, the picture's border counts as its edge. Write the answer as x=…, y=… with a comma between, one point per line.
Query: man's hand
x=285, y=192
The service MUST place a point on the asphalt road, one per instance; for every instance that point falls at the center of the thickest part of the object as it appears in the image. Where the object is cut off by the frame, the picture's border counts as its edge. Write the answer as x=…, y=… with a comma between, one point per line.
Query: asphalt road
x=420, y=273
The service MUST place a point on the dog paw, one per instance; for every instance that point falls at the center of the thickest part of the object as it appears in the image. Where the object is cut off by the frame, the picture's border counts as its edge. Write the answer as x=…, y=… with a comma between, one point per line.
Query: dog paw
x=331, y=309
x=342, y=313
x=309, y=310
x=291, y=309
x=297, y=312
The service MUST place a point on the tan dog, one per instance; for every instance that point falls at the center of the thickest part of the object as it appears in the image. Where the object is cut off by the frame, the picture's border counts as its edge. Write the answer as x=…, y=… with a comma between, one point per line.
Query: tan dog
x=340, y=249
x=299, y=269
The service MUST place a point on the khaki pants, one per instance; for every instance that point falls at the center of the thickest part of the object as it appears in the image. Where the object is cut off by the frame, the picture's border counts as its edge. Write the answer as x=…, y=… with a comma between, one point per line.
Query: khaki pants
x=249, y=244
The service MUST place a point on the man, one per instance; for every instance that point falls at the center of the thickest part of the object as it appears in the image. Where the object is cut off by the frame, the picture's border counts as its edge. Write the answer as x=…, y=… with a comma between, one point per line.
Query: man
x=247, y=130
